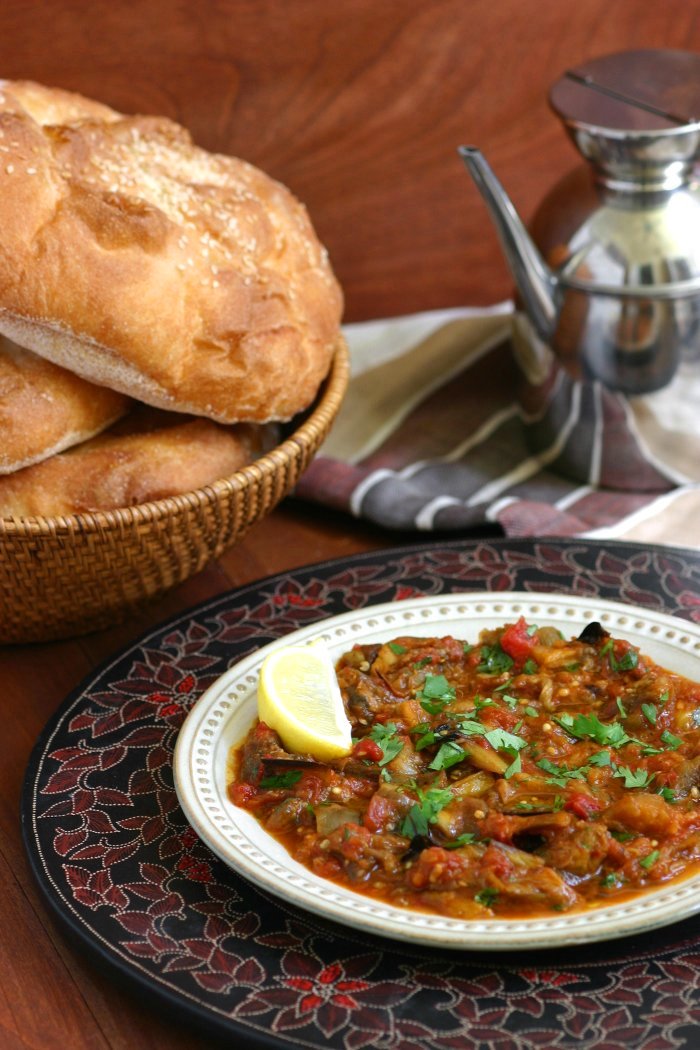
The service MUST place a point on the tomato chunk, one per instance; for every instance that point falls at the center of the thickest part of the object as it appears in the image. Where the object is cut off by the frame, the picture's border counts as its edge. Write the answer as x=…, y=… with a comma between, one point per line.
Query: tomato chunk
x=516, y=641
x=582, y=806
x=368, y=749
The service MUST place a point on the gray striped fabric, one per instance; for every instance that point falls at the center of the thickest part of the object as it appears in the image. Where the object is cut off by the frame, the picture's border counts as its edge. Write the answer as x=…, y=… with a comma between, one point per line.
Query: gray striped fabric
x=441, y=437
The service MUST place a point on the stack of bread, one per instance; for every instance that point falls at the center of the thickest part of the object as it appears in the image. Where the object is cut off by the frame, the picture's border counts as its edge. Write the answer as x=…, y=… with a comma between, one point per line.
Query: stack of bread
x=161, y=307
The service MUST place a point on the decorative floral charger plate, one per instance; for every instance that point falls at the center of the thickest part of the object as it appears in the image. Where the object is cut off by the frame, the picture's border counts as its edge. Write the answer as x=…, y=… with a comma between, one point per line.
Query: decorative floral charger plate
x=119, y=864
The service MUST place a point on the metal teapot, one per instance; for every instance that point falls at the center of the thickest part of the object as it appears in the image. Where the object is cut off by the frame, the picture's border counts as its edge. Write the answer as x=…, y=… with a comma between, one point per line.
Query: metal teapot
x=607, y=320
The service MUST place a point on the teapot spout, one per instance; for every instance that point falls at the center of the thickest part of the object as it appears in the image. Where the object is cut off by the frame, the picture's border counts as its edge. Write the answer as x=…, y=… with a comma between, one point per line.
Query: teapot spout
x=534, y=280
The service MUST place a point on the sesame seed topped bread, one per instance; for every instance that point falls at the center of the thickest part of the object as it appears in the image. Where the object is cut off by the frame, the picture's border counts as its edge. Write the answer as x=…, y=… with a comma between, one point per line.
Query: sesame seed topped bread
x=187, y=280
x=130, y=464
x=45, y=409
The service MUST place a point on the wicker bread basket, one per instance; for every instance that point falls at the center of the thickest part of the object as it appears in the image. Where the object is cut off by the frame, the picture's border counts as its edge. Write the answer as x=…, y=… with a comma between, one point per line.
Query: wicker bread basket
x=69, y=575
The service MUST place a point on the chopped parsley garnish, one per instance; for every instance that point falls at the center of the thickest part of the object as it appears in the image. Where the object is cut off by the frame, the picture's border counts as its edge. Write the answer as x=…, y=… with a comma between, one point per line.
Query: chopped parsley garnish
x=421, y=663
x=621, y=707
x=426, y=738
x=649, y=712
x=494, y=660
x=609, y=880
x=515, y=766
x=622, y=836
x=672, y=742
x=560, y=775
x=425, y=811
x=502, y=740
x=465, y=839
x=449, y=754
x=397, y=648
x=627, y=662
x=509, y=701
x=487, y=896
x=386, y=737
x=667, y=794
x=530, y=667
x=637, y=778
x=650, y=860
x=589, y=727
x=469, y=726
x=281, y=780
x=436, y=694
x=531, y=712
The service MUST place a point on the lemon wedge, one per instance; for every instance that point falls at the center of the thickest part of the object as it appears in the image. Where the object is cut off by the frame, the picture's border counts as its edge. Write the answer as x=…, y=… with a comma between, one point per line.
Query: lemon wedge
x=299, y=697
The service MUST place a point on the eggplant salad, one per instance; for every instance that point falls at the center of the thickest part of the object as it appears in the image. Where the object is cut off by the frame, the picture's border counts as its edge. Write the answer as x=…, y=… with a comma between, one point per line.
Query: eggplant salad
x=512, y=777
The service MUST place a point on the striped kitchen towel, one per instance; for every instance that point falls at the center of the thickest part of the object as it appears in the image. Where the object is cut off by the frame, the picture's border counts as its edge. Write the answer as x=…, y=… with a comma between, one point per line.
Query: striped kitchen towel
x=433, y=436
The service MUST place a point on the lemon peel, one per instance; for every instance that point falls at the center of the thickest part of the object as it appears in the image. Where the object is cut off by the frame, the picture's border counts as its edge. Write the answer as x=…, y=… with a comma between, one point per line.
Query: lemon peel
x=299, y=697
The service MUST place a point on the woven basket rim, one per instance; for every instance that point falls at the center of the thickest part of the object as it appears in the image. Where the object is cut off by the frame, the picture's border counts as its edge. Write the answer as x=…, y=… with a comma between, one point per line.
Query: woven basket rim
x=320, y=415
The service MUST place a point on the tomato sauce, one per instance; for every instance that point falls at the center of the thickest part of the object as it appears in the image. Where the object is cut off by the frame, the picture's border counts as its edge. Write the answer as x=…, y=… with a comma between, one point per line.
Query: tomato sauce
x=518, y=776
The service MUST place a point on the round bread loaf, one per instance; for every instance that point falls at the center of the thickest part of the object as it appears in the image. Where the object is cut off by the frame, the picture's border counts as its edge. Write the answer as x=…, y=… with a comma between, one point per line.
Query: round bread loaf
x=130, y=464
x=188, y=280
x=45, y=409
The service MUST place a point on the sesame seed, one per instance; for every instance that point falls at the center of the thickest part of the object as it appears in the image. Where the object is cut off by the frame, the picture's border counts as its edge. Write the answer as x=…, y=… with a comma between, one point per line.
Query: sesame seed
x=10, y=168
x=479, y=814
x=547, y=727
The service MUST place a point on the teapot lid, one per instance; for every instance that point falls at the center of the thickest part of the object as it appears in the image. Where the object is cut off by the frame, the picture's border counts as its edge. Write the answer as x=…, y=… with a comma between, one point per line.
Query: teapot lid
x=649, y=90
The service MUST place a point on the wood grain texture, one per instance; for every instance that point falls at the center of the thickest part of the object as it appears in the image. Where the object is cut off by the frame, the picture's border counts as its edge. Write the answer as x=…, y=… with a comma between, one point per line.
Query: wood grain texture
x=358, y=106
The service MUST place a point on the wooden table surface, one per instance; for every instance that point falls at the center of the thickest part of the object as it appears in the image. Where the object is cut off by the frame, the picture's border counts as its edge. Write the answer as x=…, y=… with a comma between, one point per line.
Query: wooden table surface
x=358, y=105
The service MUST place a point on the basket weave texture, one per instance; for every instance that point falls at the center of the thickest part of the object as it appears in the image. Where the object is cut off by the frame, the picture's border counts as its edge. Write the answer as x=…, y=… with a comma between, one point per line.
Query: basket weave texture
x=64, y=576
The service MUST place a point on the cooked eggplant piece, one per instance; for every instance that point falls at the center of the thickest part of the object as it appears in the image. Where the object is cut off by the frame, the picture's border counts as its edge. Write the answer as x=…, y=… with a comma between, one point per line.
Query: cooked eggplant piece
x=274, y=766
x=593, y=633
x=331, y=816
